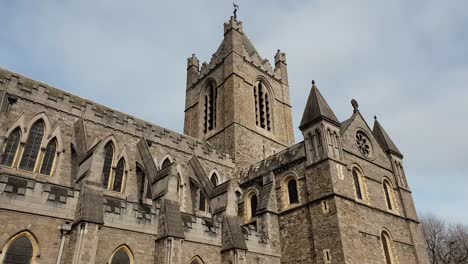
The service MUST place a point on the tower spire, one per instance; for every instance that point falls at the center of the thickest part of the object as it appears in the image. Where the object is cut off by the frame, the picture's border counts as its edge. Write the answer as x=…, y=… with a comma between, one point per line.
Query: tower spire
x=317, y=108
x=384, y=139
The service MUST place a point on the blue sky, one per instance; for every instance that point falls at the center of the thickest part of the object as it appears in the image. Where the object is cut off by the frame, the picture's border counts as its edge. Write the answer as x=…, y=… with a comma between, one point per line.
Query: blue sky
x=404, y=61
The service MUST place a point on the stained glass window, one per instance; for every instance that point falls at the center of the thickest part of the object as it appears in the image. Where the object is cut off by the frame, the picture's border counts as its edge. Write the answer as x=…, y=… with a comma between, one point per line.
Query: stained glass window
x=49, y=156
x=11, y=147
x=32, y=147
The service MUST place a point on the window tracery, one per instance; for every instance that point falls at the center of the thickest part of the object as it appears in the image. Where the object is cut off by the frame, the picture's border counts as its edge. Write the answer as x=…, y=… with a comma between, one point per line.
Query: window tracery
x=364, y=144
x=32, y=146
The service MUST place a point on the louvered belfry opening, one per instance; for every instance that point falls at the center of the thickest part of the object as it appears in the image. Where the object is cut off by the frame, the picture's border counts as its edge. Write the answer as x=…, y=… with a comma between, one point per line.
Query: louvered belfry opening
x=262, y=106
x=211, y=97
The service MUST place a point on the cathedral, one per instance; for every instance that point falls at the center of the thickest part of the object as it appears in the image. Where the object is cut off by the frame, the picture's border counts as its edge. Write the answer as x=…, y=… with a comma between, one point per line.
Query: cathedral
x=83, y=183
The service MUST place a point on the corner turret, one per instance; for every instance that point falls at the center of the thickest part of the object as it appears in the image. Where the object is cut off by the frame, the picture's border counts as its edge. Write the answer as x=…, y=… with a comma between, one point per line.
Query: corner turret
x=392, y=151
x=320, y=128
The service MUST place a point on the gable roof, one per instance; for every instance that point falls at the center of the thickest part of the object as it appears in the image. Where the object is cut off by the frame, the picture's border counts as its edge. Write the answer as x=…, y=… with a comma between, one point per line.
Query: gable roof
x=317, y=109
x=384, y=139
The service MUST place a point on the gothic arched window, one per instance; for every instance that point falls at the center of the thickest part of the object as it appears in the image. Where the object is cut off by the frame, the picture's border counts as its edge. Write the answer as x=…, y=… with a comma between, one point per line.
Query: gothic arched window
x=49, y=157
x=196, y=260
x=387, y=247
x=262, y=106
x=214, y=179
x=20, y=250
x=11, y=147
x=357, y=183
x=292, y=192
x=122, y=255
x=388, y=191
x=32, y=146
x=166, y=163
x=107, y=168
x=210, y=108
x=119, y=176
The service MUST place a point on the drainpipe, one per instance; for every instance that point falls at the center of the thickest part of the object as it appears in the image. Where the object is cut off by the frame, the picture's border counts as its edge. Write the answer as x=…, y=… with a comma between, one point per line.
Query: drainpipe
x=65, y=228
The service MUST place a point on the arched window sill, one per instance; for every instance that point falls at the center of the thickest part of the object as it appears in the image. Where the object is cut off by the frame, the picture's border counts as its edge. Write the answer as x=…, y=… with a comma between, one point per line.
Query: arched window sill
x=18, y=172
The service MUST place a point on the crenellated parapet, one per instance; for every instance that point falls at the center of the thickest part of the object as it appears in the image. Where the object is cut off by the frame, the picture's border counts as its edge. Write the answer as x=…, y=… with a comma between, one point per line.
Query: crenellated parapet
x=41, y=94
x=276, y=163
x=248, y=52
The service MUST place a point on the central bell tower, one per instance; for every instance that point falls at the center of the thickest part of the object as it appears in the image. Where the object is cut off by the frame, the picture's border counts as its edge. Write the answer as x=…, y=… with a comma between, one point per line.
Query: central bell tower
x=238, y=102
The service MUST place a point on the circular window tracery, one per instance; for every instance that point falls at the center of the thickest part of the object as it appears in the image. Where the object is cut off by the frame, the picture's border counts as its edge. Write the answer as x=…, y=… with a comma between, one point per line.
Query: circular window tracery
x=363, y=143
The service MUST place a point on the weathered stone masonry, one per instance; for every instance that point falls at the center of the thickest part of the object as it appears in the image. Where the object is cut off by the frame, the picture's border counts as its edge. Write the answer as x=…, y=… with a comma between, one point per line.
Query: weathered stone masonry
x=83, y=183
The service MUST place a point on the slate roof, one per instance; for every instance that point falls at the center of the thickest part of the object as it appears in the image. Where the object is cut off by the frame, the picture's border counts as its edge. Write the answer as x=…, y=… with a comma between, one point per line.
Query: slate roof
x=316, y=109
x=384, y=139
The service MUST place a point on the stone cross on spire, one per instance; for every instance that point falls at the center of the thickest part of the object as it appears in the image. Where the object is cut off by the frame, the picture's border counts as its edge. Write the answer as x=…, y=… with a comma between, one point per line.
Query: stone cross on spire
x=236, y=7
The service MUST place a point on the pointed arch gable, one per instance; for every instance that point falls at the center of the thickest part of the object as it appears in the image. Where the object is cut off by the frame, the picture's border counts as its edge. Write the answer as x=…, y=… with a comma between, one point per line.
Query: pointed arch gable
x=197, y=260
x=123, y=155
x=217, y=174
x=205, y=86
x=32, y=239
x=57, y=134
x=168, y=157
x=119, y=250
x=267, y=85
x=348, y=133
x=45, y=119
x=113, y=139
x=19, y=123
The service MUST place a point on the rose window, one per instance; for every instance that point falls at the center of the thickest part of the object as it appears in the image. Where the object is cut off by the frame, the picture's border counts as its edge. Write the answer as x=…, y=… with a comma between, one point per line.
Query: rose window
x=363, y=144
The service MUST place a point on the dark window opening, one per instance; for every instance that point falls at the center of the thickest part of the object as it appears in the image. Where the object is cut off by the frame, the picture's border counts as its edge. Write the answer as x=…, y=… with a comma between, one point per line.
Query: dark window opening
x=106, y=170
x=292, y=192
x=119, y=174
x=387, y=196
x=214, y=179
x=49, y=156
x=253, y=205
x=19, y=252
x=202, y=202
x=165, y=163
x=357, y=184
x=11, y=148
x=120, y=257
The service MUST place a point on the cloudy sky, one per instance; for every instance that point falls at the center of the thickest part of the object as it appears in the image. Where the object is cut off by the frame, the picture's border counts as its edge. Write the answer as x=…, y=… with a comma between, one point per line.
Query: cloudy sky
x=404, y=61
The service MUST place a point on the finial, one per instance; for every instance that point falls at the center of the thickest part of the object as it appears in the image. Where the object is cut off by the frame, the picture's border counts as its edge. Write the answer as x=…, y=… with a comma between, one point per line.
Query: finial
x=355, y=105
x=235, y=10
x=313, y=82
x=375, y=118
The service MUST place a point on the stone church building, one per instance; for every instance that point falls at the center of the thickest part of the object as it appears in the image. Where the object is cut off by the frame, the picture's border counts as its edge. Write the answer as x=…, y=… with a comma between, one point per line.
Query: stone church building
x=83, y=183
